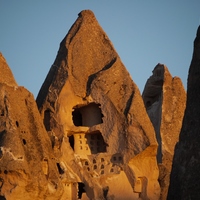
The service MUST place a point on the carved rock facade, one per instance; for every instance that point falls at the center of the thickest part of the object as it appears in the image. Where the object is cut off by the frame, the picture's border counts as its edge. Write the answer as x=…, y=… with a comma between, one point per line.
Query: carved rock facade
x=165, y=98
x=96, y=119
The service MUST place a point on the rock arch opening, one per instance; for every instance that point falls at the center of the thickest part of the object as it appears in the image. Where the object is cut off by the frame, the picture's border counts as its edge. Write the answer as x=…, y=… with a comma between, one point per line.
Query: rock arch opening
x=88, y=115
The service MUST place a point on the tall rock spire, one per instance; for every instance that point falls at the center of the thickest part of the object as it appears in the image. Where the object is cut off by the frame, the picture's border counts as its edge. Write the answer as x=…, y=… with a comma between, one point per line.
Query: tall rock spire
x=185, y=176
x=165, y=97
x=96, y=118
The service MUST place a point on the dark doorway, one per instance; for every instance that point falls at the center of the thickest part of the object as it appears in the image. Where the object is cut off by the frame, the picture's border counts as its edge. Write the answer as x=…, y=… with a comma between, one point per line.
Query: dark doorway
x=71, y=141
x=81, y=189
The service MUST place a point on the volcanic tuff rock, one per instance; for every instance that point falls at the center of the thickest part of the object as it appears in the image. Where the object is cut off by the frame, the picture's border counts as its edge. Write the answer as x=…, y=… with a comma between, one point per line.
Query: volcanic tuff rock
x=6, y=75
x=185, y=176
x=27, y=164
x=165, y=98
x=96, y=119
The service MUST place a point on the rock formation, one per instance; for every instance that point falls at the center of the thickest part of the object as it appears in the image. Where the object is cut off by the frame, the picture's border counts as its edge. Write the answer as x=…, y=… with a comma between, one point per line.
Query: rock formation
x=27, y=164
x=185, y=176
x=96, y=120
x=94, y=137
x=165, y=98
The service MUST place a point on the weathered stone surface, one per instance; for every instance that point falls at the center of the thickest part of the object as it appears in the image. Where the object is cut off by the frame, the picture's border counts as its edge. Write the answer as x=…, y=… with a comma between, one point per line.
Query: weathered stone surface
x=185, y=176
x=27, y=164
x=6, y=75
x=165, y=98
x=96, y=119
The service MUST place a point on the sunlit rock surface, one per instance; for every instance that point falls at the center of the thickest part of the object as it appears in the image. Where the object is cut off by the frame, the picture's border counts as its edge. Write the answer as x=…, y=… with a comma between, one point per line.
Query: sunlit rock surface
x=6, y=75
x=96, y=119
x=164, y=97
x=27, y=165
x=185, y=176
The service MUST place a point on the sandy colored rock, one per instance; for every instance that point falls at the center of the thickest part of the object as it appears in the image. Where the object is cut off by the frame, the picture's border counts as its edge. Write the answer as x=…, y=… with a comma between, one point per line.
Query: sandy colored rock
x=165, y=98
x=96, y=119
x=185, y=176
x=28, y=167
x=6, y=75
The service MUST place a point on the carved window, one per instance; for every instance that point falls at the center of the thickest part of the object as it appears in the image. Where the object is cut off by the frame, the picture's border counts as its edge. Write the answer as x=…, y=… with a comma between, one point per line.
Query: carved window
x=88, y=115
x=96, y=142
x=117, y=158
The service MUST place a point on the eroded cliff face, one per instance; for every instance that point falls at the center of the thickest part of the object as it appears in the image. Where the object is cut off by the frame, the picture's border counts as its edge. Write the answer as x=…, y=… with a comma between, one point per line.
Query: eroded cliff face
x=165, y=98
x=185, y=176
x=96, y=119
x=27, y=165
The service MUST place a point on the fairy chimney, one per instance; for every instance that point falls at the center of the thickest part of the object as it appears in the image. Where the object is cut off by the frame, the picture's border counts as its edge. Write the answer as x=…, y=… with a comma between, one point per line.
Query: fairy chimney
x=27, y=165
x=96, y=119
x=165, y=97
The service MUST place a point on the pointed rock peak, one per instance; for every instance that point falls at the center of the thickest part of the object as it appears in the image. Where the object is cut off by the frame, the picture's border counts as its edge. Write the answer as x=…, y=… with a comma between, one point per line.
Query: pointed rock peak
x=153, y=86
x=193, y=76
x=6, y=75
x=198, y=32
x=85, y=51
x=86, y=14
x=164, y=98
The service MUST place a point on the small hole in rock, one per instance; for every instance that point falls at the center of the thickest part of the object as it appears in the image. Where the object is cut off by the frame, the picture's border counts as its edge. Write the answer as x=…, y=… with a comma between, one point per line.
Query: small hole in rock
x=17, y=123
x=95, y=167
x=24, y=141
x=86, y=163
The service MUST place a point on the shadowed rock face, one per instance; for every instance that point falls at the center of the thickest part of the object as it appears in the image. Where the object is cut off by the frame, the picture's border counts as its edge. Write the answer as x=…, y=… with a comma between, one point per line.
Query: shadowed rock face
x=165, y=98
x=96, y=119
x=185, y=176
x=27, y=164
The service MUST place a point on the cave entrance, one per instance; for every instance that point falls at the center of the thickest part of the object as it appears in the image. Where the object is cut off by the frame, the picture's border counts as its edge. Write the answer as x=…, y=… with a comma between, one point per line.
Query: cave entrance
x=81, y=189
x=88, y=115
